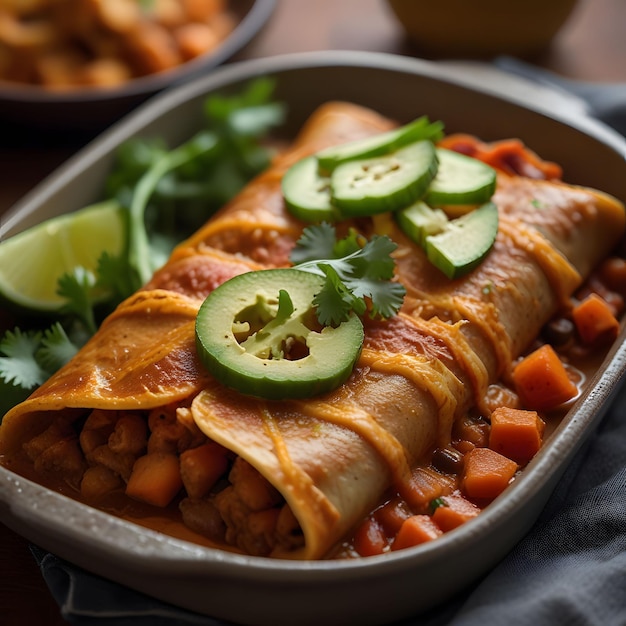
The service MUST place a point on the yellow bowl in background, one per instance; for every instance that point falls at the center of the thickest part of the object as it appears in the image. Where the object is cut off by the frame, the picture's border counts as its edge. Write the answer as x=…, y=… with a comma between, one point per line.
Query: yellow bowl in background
x=481, y=27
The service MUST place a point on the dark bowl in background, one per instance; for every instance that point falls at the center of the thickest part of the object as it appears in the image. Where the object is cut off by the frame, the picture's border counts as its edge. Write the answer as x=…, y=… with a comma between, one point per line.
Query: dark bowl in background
x=89, y=110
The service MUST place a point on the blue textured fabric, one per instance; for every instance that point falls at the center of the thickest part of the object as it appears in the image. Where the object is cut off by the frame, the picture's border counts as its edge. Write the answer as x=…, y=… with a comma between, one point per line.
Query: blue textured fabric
x=570, y=570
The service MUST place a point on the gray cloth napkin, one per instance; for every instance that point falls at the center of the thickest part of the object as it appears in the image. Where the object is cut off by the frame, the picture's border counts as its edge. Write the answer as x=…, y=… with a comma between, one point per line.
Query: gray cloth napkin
x=569, y=570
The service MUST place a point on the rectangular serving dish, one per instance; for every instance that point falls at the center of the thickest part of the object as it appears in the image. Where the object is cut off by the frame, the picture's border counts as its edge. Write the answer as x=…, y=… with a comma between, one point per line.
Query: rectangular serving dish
x=254, y=590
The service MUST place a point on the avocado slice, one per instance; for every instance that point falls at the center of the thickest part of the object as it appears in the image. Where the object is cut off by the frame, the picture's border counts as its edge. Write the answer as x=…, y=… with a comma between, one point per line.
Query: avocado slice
x=460, y=180
x=465, y=242
x=379, y=145
x=418, y=221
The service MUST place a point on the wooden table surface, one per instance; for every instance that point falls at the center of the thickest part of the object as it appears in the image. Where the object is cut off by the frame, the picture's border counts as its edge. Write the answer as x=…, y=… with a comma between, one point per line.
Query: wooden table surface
x=591, y=46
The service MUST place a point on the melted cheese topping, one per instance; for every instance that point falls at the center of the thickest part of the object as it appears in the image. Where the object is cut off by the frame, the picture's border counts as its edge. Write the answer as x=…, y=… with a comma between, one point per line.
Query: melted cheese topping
x=365, y=425
x=561, y=274
x=430, y=375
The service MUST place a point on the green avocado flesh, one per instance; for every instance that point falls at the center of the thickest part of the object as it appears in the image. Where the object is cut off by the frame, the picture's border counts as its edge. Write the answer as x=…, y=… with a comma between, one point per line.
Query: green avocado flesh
x=465, y=242
x=418, y=221
x=460, y=180
x=307, y=192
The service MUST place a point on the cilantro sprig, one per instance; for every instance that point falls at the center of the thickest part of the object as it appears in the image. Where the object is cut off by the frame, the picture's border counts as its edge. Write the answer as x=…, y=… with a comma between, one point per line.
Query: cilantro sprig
x=358, y=273
x=168, y=194
x=28, y=358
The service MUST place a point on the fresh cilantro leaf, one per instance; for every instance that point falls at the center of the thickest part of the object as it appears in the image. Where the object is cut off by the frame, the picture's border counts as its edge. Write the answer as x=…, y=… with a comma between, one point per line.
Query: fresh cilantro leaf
x=358, y=273
x=335, y=301
x=77, y=288
x=435, y=504
x=374, y=259
x=351, y=243
x=132, y=159
x=316, y=242
x=169, y=193
x=55, y=349
x=139, y=256
x=19, y=366
x=386, y=296
x=374, y=268
x=113, y=276
x=29, y=358
x=220, y=109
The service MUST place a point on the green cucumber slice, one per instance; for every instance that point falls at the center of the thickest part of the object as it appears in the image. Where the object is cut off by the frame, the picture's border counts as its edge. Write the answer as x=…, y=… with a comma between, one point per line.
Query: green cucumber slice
x=418, y=220
x=460, y=180
x=258, y=334
x=386, y=183
x=465, y=242
x=307, y=193
x=378, y=145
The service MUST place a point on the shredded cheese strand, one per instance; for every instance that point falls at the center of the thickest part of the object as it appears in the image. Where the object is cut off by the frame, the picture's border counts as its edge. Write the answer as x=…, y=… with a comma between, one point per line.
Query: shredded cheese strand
x=464, y=355
x=563, y=277
x=365, y=425
x=428, y=374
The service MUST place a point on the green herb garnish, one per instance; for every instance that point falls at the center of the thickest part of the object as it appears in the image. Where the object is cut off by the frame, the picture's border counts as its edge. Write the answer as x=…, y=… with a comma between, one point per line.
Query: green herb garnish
x=358, y=273
x=168, y=194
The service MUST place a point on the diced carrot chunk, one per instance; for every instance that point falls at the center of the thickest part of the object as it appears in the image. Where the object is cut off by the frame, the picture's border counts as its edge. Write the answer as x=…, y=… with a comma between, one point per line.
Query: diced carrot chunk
x=486, y=473
x=423, y=487
x=541, y=380
x=595, y=321
x=202, y=467
x=415, y=530
x=453, y=511
x=155, y=479
x=516, y=433
x=369, y=538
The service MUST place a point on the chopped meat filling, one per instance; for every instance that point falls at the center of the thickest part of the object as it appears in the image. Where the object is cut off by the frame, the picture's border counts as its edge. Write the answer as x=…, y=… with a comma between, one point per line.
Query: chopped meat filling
x=161, y=458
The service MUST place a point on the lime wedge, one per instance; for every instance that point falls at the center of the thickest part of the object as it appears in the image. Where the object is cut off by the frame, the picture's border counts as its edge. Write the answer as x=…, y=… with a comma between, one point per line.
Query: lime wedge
x=32, y=261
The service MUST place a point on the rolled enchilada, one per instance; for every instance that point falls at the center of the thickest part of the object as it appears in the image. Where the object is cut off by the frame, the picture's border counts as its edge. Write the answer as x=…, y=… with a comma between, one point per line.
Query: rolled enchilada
x=292, y=478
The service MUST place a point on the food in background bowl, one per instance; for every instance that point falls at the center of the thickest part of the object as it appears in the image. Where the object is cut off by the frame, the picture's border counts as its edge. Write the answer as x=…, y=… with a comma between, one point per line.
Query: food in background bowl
x=66, y=44
x=90, y=109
